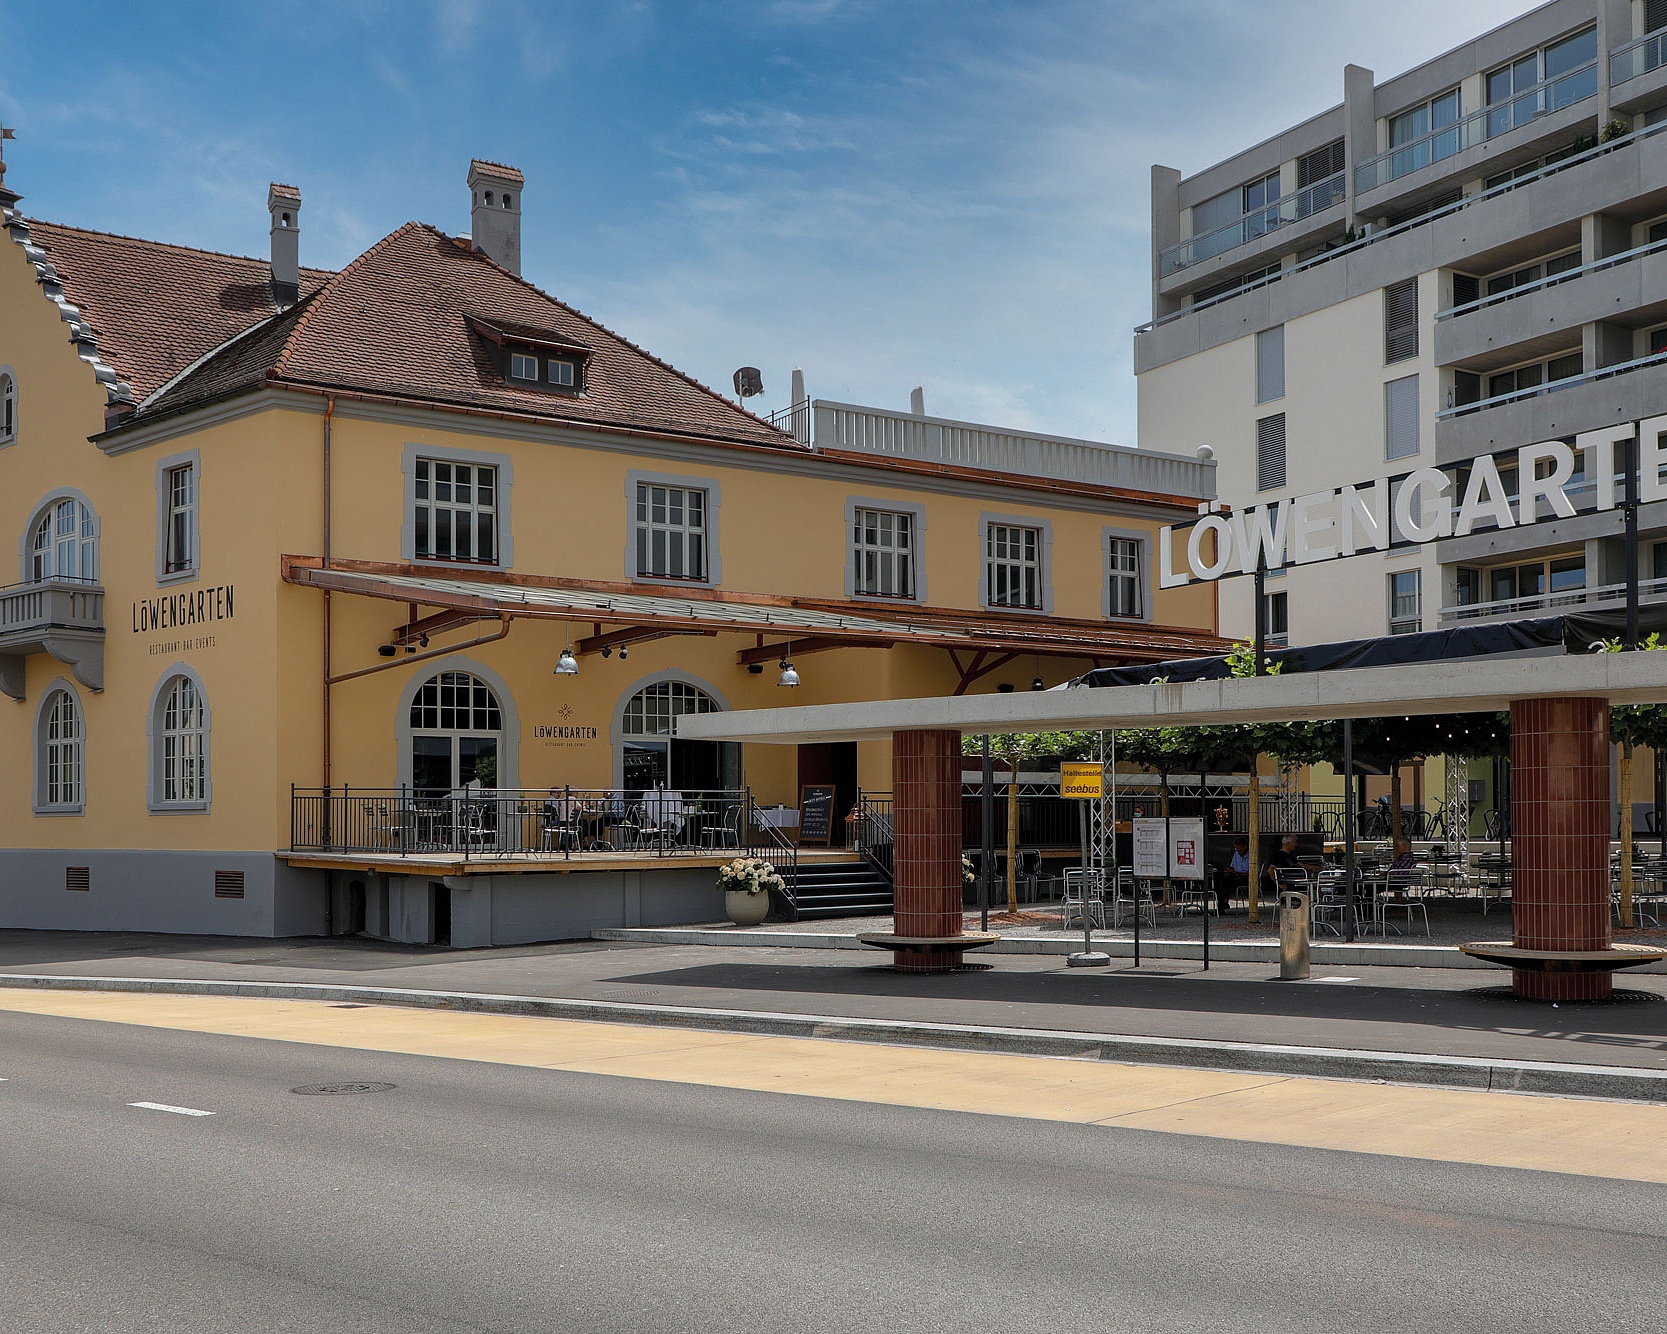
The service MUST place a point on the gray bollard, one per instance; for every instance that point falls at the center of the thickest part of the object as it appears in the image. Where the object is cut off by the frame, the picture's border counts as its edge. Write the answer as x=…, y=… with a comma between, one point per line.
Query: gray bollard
x=1293, y=935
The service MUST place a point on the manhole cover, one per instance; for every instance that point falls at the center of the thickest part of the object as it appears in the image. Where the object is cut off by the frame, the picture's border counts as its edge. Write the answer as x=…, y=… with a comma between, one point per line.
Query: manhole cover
x=363, y=1087
x=1620, y=996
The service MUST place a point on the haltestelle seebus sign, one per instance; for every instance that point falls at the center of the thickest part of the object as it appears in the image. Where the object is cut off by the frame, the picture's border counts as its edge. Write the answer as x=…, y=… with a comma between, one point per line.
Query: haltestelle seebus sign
x=1422, y=508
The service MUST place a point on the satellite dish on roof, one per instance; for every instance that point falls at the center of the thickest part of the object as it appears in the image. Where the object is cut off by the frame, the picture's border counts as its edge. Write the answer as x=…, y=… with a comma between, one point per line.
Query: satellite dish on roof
x=748, y=382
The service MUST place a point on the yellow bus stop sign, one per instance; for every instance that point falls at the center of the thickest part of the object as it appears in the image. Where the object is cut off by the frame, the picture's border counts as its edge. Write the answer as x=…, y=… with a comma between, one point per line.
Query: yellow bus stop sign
x=1082, y=781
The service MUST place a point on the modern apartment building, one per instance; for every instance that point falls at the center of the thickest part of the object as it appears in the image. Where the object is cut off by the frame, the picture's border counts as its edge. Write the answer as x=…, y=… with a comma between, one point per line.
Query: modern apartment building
x=1461, y=260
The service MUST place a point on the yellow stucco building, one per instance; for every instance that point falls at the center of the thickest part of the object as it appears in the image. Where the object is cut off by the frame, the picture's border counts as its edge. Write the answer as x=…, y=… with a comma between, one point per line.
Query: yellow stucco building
x=284, y=532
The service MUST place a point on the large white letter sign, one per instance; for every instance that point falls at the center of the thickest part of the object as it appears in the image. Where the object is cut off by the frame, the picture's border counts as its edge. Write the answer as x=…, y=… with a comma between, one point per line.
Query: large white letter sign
x=1652, y=458
x=1168, y=575
x=1306, y=525
x=1374, y=518
x=1426, y=490
x=1261, y=529
x=1530, y=488
x=1210, y=523
x=1599, y=448
x=1484, y=498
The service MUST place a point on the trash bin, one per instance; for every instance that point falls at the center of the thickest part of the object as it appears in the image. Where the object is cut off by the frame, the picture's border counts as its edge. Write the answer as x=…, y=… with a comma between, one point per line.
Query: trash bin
x=1293, y=935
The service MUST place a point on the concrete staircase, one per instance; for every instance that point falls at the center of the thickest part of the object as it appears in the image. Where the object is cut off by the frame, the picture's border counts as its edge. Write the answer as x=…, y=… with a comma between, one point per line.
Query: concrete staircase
x=838, y=889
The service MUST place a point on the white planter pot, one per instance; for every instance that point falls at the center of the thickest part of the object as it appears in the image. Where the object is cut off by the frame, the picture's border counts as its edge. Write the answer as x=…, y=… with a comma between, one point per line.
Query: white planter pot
x=746, y=909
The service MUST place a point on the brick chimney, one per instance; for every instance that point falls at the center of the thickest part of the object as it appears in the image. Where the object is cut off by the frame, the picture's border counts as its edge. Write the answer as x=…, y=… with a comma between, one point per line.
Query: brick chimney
x=495, y=212
x=283, y=202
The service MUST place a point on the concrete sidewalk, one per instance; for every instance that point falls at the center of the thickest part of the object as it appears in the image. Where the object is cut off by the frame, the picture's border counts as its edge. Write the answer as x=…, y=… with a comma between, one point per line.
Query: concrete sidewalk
x=1405, y=1024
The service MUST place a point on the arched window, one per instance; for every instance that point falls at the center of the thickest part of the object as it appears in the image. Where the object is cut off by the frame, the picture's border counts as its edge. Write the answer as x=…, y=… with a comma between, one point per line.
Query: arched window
x=59, y=754
x=183, y=744
x=65, y=543
x=8, y=406
x=645, y=738
x=456, y=733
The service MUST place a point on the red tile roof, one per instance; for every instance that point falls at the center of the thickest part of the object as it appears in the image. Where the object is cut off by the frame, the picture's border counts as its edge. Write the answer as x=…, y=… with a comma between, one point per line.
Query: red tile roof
x=156, y=308
x=498, y=169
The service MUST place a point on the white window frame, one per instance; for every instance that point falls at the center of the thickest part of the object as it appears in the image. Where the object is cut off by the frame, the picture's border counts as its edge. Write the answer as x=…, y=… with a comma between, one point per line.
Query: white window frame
x=635, y=481
x=174, y=515
x=60, y=756
x=181, y=771
x=503, y=557
x=517, y=366
x=46, y=517
x=989, y=562
x=1140, y=546
x=568, y=377
x=872, y=565
x=468, y=512
x=8, y=405
x=1272, y=638
x=1403, y=621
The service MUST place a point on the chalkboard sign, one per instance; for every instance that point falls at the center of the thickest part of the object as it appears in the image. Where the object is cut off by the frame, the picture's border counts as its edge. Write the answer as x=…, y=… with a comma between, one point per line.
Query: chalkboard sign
x=816, y=814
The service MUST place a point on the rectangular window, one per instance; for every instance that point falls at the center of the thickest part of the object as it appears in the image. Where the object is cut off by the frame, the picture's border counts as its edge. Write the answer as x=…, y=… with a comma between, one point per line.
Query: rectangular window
x=1013, y=566
x=1270, y=364
x=1400, y=418
x=182, y=520
x=1123, y=560
x=883, y=545
x=456, y=511
x=561, y=373
x=1658, y=341
x=1270, y=453
x=1276, y=619
x=1400, y=321
x=523, y=366
x=1406, y=602
x=671, y=532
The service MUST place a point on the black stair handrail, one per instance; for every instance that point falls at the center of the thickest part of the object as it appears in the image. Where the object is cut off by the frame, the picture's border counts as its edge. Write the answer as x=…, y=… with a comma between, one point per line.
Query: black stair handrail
x=776, y=844
x=872, y=831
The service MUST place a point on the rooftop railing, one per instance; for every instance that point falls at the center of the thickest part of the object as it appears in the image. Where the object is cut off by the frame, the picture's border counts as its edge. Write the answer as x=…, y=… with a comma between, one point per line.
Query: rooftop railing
x=1376, y=236
x=1253, y=225
x=904, y=435
x=1640, y=57
x=1477, y=128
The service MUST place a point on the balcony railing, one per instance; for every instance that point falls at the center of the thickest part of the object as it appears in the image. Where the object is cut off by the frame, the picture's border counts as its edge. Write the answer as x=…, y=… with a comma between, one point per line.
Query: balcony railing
x=1253, y=225
x=1568, y=275
x=1554, y=386
x=27, y=610
x=969, y=445
x=1603, y=595
x=1640, y=57
x=471, y=823
x=1477, y=128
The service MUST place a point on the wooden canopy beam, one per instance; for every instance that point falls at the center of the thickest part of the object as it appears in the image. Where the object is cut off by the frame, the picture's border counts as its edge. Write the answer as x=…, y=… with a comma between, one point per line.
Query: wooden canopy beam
x=798, y=648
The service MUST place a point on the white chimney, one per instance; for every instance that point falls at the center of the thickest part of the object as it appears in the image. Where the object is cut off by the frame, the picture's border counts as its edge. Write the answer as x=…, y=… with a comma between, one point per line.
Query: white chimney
x=283, y=202
x=495, y=212
x=917, y=401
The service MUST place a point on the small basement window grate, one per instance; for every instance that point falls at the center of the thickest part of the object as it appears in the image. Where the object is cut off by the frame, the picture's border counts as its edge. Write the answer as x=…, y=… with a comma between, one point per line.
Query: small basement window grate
x=228, y=884
x=78, y=878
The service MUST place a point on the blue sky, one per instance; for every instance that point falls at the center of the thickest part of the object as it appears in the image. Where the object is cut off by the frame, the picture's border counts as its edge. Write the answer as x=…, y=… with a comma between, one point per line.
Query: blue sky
x=950, y=193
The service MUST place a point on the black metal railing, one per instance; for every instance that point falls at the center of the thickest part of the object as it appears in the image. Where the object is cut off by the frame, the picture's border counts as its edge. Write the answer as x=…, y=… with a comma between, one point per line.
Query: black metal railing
x=872, y=831
x=548, y=822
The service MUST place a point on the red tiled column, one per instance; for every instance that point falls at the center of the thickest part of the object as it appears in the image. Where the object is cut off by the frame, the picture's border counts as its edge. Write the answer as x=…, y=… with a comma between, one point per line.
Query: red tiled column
x=926, y=843
x=1560, y=840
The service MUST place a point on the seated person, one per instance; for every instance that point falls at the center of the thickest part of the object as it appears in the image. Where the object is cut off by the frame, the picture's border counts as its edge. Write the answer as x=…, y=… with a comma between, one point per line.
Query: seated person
x=1233, y=877
x=1283, y=860
x=1404, y=860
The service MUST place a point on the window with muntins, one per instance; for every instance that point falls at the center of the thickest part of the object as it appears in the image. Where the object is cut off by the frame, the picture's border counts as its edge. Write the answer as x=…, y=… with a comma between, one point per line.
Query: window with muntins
x=65, y=543
x=1276, y=619
x=455, y=702
x=1123, y=560
x=456, y=511
x=1270, y=452
x=1406, y=602
x=671, y=531
x=1013, y=566
x=182, y=519
x=1509, y=87
x=1533, y=376
x=884, y=547
x=651, y=711
x=61, y=753
x=1400, y=321
x=184, y=744
x=8, y=407
x=1426, y=133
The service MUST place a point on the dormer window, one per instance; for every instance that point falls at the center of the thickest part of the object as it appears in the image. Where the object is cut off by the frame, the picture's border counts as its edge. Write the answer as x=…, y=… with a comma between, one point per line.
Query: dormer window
x=523, y=366
x=535, y=358
x=561, y=373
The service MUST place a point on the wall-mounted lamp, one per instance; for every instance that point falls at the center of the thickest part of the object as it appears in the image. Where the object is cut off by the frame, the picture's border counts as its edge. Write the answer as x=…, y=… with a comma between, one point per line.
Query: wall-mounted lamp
x=1037, y=683
x=567, y=664
x=755, y=668
x=624, y=652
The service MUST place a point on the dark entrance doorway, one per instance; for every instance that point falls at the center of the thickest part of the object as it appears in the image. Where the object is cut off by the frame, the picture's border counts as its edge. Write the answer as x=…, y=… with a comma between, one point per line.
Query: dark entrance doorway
x=832, y=762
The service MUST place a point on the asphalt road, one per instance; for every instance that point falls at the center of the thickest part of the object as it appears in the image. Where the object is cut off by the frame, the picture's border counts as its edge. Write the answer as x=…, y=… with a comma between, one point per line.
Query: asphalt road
x=480, y=1196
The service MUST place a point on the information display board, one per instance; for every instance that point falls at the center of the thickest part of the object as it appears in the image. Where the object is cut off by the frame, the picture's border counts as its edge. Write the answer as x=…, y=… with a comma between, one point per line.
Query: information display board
x=816, y=814
x=1186, y=849
x=1082, y=782
x=1151, y=849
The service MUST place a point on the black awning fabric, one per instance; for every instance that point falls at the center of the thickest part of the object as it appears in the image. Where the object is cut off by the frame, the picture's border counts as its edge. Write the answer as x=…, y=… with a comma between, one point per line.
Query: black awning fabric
x=1548, y=634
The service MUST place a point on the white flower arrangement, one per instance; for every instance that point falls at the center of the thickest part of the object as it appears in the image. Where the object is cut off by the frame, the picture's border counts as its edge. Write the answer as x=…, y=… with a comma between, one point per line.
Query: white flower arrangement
x=749, y=875
x=968, y=874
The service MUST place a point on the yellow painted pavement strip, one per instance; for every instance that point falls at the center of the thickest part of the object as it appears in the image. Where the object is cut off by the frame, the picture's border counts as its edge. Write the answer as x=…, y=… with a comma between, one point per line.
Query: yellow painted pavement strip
x=1586, y=1137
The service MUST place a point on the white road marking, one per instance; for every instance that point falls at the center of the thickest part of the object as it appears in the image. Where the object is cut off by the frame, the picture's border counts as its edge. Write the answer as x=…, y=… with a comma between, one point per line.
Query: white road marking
x=164, y=1107
x=1337, y=979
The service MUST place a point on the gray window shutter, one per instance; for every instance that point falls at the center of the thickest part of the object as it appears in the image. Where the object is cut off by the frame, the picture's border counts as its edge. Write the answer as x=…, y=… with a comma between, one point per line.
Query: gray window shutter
x=1322, y=162
x=1400, y=418
x=1400, y=321
x=1655, y=15
x=1270, y=364
x=1270, y=453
